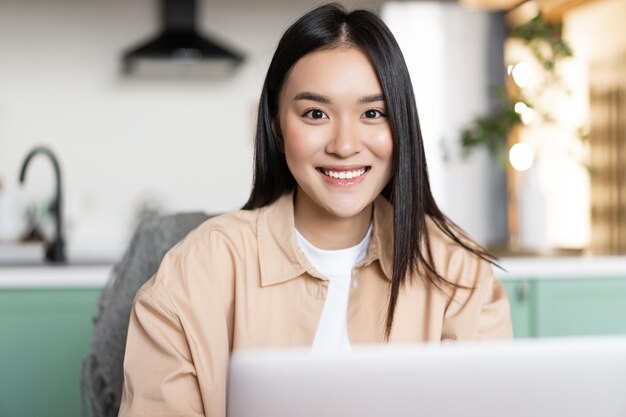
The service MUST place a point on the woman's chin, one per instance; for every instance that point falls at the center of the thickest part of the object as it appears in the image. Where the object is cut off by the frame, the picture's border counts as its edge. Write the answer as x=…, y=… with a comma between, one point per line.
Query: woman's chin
x=346, y=210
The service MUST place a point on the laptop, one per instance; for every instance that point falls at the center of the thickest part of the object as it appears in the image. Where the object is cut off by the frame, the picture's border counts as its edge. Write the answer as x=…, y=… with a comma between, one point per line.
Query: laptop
x=573, y=377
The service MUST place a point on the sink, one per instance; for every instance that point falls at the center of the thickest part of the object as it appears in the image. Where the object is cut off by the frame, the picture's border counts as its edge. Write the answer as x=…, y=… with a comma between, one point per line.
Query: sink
x=13, y=254
x=23, y=265
x=22, y=253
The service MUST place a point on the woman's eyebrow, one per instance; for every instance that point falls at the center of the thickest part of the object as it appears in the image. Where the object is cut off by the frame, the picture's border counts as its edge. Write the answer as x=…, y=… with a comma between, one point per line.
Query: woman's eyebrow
x=371, y=98
x=306, y=95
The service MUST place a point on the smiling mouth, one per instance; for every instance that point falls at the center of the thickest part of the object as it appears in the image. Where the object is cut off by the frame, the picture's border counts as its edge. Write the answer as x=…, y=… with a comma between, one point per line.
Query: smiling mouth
x=344, y=174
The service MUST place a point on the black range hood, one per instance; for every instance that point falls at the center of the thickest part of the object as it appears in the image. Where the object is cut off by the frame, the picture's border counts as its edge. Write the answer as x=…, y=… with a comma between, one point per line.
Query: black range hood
x=179, y=42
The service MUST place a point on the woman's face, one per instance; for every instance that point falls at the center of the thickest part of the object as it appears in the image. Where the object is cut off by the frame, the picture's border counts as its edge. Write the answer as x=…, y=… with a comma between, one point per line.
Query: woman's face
x=335, y=133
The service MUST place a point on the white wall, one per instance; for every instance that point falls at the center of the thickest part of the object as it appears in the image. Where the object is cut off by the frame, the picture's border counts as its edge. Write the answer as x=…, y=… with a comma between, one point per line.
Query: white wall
x=186, y=144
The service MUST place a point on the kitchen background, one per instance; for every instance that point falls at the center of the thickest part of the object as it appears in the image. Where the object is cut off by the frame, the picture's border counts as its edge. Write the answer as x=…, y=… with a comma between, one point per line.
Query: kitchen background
x=127, y=143
x=179, y=139
x=124, y=142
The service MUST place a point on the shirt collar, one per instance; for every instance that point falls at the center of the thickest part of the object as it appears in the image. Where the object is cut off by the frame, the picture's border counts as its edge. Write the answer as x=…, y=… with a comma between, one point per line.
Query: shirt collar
x=280, y=257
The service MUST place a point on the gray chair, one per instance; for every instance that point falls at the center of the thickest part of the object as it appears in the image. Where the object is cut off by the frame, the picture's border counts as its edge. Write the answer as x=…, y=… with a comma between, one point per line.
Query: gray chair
x=102, y=367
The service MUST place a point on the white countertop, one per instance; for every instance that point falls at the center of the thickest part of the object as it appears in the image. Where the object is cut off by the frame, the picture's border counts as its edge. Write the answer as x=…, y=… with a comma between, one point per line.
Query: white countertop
x=54, y=276
x=562, y=267
x=96, y=275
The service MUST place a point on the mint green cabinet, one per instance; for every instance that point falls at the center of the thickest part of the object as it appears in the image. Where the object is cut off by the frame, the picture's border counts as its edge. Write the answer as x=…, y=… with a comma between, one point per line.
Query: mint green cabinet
x=567, y=307
x=43, y=337
x=580, y=307
x=44, y=333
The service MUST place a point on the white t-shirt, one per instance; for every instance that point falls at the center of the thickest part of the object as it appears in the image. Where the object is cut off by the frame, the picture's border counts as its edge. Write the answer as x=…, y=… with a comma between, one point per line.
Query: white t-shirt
x=336, y=266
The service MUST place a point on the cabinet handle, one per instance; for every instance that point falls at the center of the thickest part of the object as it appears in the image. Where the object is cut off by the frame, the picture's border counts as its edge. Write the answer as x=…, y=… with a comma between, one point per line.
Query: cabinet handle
x=522, y=291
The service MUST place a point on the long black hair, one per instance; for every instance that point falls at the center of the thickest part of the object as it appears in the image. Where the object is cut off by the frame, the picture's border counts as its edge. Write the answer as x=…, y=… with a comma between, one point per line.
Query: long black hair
x=408, y=191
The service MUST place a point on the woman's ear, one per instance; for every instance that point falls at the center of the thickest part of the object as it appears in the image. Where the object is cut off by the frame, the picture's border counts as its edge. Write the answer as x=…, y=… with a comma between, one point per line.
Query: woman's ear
x=278, y=137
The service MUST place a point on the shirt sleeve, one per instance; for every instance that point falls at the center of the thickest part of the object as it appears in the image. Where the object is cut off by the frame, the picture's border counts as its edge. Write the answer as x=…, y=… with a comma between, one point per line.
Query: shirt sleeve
x=494, y=318
x=480, y=310
x=178, y=345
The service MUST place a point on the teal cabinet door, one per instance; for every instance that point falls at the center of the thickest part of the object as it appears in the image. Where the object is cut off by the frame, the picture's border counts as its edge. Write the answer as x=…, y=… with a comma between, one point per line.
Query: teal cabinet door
x=573, y=307
x=43, y=337
x=520, y=294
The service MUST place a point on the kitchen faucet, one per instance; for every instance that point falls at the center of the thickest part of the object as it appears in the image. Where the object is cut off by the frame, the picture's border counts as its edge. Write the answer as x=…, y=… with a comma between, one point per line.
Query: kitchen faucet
x=56, y=250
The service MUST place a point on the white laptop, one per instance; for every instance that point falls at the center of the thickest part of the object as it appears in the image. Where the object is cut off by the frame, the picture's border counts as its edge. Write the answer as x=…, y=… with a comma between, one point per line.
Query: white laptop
x=571, y=377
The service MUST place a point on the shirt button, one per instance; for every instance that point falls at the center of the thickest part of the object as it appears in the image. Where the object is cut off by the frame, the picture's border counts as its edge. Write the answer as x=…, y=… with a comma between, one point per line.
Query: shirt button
x=355, y=284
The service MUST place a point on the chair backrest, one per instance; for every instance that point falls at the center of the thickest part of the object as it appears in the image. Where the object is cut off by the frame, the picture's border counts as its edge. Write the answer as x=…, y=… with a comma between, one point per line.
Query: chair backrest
x=102, y=372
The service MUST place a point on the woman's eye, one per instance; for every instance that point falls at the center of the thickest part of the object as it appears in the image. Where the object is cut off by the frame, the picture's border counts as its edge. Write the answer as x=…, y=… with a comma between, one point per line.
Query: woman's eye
x=373, y=114
x=315, y=114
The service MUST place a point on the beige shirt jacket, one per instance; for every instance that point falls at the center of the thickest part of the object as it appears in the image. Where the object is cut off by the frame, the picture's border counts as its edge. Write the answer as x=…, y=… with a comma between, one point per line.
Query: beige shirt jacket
x=240, y=281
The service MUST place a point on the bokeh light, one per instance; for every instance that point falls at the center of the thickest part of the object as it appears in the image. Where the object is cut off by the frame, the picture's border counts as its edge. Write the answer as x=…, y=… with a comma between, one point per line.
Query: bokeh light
x=521, y=156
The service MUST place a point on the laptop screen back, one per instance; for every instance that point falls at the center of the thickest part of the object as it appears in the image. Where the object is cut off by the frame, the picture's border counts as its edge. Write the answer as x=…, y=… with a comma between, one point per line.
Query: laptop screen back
x=579, y=377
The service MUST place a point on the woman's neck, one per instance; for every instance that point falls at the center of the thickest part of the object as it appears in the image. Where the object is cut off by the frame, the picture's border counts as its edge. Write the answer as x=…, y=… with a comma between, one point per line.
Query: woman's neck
x=326, y=231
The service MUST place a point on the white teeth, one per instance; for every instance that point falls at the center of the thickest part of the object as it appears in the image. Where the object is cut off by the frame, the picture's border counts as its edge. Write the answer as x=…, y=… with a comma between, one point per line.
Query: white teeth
x=344, y=174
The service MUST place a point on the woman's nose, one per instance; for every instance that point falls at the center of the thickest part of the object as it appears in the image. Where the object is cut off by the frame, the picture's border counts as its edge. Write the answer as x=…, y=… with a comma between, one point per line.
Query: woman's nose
x=345, y=140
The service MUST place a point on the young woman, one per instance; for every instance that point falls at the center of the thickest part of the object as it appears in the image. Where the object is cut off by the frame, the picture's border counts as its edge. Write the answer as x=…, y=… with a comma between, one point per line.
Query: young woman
x=340, y=243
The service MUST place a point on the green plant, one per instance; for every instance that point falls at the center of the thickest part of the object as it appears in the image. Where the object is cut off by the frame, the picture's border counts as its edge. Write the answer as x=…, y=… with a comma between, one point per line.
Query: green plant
x=492, y=130
x=538, y=32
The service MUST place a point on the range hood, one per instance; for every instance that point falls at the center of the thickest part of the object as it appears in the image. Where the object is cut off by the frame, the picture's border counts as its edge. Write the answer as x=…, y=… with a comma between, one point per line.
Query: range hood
x=179, y=43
